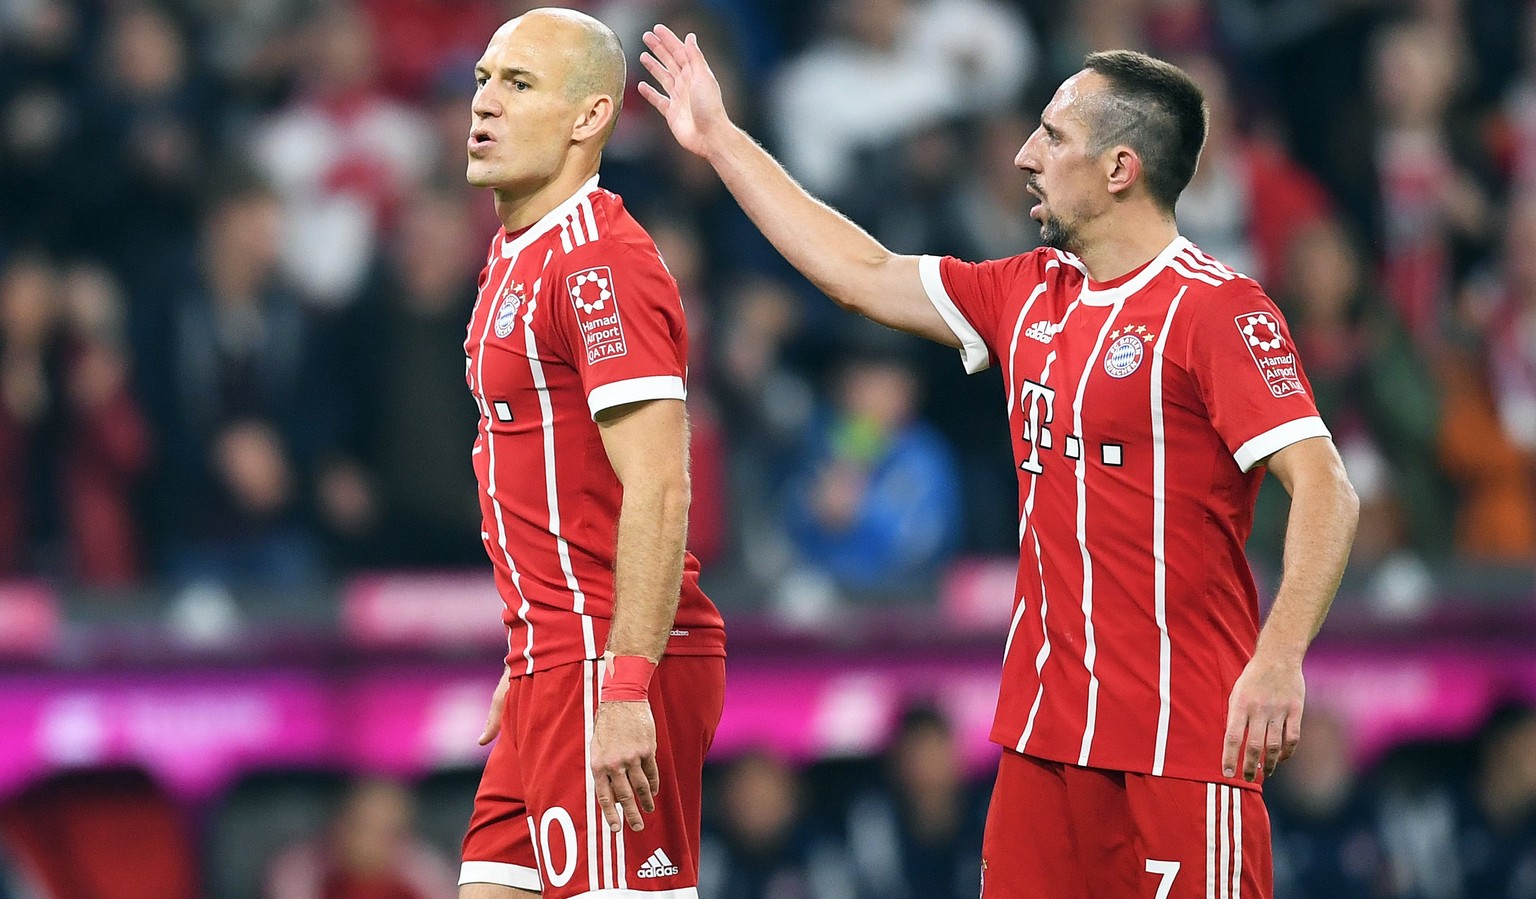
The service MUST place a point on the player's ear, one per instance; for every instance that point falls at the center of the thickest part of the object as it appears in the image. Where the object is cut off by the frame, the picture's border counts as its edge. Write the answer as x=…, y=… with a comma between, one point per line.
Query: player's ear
x=595, y=118
x=1122, y=168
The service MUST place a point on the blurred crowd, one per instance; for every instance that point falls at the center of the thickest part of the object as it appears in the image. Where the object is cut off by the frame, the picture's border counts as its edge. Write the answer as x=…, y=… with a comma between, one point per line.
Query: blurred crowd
x=905, y=825
x=237, y=255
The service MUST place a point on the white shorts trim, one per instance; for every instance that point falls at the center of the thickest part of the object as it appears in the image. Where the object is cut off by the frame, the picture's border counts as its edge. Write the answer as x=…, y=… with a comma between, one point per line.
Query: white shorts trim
x=684, y=893
x=518, y=877
x=973, y=349
x=1278, y=438
x=635, y=390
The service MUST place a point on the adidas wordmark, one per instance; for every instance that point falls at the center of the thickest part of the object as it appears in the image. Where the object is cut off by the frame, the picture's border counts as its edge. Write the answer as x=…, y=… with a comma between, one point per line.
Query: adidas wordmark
x=658, y=865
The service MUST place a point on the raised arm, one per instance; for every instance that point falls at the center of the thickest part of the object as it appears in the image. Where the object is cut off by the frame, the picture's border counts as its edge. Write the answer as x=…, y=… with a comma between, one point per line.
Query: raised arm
x=839, y=257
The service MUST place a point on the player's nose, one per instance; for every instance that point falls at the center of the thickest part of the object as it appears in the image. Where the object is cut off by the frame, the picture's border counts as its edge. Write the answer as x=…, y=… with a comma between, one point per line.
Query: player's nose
x=1026, y=159
x=483, y=105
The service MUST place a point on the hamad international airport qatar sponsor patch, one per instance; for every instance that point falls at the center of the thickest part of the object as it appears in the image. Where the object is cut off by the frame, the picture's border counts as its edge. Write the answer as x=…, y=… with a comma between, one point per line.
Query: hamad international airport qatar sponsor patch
x=1276, y=360
x=597, y=313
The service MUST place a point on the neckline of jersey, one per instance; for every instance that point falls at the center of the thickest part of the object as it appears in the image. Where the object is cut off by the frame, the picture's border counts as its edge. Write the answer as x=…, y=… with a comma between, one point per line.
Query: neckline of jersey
x=511, y=244
x=1110, y=292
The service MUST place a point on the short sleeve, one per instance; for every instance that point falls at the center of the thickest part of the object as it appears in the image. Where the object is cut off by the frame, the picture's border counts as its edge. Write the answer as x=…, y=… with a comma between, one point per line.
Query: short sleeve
x=971, y=297
x=622, y=322
x=1249, y=374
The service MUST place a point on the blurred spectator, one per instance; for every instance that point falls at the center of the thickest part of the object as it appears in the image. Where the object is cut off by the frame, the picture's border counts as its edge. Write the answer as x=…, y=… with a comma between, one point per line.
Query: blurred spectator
x=1324, y=834
x=993, y=199
x=40, y=148
x=764, y=402
x=761, y=847
x=897, y=66
x=1432, y=205
x=1489, y=445
x=73, y=440
x=919, y=836
x=370, y=851
x=906, y=192
x=409, y=419
x=1519, y=114
x=1377, y=396
x=28, y=317
x=1497, y=841
x=106, y=442
x=341, y=157
x=246, y=422
x=1247, y=199
x=149, y=117
x=874, y=503
x=682, y=252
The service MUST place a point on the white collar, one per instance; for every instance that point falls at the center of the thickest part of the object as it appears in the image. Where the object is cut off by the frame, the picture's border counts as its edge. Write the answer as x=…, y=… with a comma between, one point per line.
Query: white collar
x=1119, y=294
x=551, y=218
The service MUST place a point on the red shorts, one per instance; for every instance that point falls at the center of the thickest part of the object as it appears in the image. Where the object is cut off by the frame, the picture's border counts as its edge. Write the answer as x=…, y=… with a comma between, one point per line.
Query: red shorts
x=1064, y=832
x=537, y=825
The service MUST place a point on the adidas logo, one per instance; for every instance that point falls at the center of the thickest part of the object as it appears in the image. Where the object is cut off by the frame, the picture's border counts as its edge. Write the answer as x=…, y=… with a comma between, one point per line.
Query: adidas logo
x=658, y=865
x=1042, y=331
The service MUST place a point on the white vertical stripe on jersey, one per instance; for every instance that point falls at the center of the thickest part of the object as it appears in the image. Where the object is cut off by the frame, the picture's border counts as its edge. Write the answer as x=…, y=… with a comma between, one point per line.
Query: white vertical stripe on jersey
x=589, y=687
x=565, y=235
x=490, y=459
x=619, y=859
x=1210, y=841
x=1160, y=542
x=1013, y=349
x=586, y=214
x=1013, y=345
x=1045, y=635
x=1237, y=843
x=552, y=495
x=1223, y=873
x=1090, y=648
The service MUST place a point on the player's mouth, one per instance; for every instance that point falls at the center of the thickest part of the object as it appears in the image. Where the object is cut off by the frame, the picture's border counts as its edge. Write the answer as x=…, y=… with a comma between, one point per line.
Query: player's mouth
x=1033, y=187
x=480, y=140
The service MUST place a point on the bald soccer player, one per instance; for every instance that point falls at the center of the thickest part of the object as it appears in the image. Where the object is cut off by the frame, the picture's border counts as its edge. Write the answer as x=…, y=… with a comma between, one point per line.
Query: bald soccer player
x=577, y=349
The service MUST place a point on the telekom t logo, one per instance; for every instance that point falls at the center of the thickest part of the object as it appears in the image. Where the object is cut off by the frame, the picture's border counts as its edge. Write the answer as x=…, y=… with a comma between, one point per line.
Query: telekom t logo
x=1037, y=432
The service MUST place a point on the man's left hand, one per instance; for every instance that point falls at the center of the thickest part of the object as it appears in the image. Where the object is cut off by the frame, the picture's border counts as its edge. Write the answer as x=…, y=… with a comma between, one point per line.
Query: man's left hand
x=1263, y=717
x=624, y=762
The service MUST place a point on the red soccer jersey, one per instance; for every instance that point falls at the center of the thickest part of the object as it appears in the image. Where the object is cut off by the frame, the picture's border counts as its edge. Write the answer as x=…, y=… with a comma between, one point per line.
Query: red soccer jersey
x=575, y=315
x=1139, y=409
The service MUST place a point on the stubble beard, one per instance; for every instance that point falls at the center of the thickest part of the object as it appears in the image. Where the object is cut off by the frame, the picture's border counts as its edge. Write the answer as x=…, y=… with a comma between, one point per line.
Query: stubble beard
x=1058, y=236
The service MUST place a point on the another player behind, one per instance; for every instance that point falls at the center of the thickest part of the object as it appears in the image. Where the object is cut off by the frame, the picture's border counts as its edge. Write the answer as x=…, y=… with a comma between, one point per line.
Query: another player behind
x=577, y=354
x=1149, y=387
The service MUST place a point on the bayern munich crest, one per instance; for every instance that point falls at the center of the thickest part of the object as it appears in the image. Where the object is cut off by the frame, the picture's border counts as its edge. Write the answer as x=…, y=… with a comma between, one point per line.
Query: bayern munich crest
x=1124, y=356
x=506, y=316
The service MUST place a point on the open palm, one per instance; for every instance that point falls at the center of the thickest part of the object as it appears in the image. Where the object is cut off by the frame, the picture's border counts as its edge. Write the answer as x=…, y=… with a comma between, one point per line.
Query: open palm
x=689, y=97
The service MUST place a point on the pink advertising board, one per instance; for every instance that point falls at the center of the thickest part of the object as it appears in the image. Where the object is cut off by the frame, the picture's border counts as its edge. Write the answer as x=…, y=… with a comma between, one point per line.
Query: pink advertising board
x=198, y=729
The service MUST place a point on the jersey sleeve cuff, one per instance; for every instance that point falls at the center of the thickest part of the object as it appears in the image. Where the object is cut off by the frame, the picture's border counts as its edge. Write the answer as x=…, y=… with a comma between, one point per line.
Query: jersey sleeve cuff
x=635, y=390
x=973, y=350
x=1278, y=438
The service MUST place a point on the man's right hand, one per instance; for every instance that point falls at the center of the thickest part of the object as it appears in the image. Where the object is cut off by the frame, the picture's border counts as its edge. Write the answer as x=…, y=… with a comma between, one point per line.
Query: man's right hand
x=691, y=104
x=498, y=701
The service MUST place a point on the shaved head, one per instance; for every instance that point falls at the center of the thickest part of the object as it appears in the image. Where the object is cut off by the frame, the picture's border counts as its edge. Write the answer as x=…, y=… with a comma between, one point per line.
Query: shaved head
x=594, y=57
